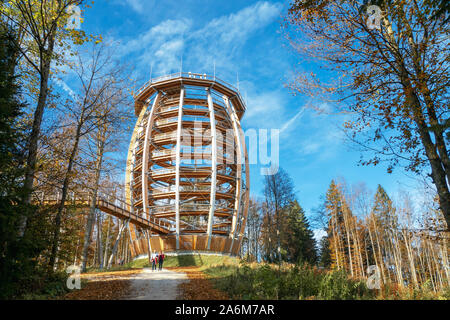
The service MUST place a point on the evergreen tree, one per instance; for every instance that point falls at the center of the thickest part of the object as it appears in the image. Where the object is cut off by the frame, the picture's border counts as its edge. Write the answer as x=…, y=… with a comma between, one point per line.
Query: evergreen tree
x=336, y=234
x=18, y=255
x=325, y=253
x=300, y=242
x=384, y=210
x=385, y=227
x=10, y=165
x=345, y=236
x=278, y=194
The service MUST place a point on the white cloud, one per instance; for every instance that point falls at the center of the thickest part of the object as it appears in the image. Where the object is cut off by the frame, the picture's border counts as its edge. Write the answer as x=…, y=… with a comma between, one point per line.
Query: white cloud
x=169, y=55
x=265, y=110
x=138, y=5
x=157, y=36
x=290, y=122
x=319, y=135
x=216, y=41
x=236, y=28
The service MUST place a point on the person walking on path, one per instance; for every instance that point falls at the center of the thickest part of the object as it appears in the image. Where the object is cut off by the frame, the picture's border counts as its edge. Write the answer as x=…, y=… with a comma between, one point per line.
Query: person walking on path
x=161, y=260
x=154, y=260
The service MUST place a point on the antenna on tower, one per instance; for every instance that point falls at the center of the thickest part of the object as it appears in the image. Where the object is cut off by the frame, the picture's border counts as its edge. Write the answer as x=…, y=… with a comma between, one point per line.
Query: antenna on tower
x=181, y=65
x=151, y=72
x=237, y=80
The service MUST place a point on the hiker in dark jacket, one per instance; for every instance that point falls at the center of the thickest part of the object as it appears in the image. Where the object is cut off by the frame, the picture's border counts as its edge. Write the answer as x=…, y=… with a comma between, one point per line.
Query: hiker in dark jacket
x=154, y=259
x=161, y=260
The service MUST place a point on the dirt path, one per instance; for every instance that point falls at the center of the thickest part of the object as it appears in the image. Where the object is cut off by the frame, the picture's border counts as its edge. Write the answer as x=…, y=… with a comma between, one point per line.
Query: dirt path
x=156, y=285
x=130, y=284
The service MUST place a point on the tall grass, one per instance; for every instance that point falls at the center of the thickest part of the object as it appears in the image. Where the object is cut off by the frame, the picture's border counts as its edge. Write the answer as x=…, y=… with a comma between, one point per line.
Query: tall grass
x=289, y=283
x=304, y=282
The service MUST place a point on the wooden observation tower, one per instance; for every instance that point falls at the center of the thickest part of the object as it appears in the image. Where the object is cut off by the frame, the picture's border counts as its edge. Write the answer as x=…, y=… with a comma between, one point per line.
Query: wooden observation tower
x=187, y=168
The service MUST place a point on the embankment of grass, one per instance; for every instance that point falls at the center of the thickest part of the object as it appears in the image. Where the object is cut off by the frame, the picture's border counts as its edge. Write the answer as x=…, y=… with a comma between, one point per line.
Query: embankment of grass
x=125, y=267
x=195, y=260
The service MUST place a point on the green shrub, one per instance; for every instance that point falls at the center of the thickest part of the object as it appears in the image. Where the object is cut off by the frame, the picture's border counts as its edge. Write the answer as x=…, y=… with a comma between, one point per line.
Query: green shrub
x=299, y=282
x=336, y=285
x=49, y=287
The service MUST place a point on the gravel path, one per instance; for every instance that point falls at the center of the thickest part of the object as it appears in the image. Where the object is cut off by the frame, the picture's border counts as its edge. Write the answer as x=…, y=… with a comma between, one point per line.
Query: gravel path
x=156, y=285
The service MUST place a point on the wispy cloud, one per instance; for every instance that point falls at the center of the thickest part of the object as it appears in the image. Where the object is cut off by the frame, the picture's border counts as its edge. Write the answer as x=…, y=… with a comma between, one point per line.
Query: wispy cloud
x=290, y=122
x=217, y=41
x=138, y=5
x=65, y=87
x=160, y=47
x=235, y=28
x=264, y=109
x=320, y=135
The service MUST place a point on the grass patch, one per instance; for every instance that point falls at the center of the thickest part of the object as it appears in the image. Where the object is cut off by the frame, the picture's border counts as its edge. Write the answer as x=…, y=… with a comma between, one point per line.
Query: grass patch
x=263, y=281
x=125, y=267
x=196, y=260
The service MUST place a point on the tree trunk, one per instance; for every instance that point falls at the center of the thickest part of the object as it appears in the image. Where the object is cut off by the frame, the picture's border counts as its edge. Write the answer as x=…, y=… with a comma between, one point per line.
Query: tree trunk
x=116, y=244
x=36, y=130
x=99, y=240
x=65, y=189
x=91, y=217
x=278, y=240
x=438, y=166
x=347, y=232
x=107, y=241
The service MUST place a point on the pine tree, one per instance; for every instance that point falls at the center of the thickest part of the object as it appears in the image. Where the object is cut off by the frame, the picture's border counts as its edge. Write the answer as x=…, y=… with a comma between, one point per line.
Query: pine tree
x=333, y=206
x=325, y=253
x=344, y=235
x=300, y=242
x=14, y=255
x=384, y=209
x=385, y=228
x=278, y=193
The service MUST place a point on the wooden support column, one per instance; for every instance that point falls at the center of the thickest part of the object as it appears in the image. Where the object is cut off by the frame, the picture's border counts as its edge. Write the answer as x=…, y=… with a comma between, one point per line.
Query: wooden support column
x=246, y=195
x=177, y=167
x=146, y=155
x=131, y=158
x=237, y=134
x=149, y=247
x=129, y=172
x=212, y=200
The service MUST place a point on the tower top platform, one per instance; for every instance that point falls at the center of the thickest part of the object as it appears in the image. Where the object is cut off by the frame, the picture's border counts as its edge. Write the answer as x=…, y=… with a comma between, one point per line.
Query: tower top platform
x=189, y=79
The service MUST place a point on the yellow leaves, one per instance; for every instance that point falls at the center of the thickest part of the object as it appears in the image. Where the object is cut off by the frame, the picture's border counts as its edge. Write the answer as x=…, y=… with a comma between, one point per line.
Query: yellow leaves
x=112, y=289
x=98, y=39
x=199, y=286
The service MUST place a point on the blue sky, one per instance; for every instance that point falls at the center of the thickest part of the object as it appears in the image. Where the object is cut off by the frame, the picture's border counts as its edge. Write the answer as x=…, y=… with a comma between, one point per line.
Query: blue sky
x=243, y=39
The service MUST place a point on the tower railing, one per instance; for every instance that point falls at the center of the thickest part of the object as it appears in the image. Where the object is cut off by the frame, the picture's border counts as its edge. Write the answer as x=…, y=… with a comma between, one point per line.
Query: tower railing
x=190, y=75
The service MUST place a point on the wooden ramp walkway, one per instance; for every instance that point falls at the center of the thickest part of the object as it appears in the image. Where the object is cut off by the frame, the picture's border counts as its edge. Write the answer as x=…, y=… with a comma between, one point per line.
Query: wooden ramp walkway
x=116, y=208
